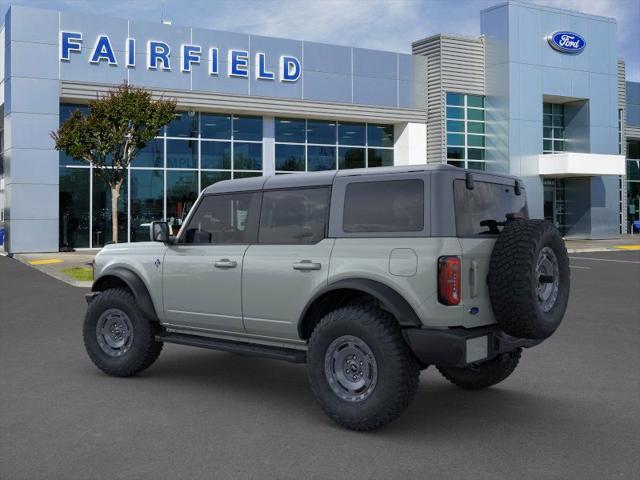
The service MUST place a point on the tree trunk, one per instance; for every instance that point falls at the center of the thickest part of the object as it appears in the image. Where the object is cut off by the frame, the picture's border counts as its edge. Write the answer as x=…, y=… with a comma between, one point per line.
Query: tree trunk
x=115, y=194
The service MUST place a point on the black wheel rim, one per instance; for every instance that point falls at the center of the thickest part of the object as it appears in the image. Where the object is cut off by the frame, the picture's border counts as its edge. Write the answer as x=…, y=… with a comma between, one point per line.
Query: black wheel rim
x=350, y=368
x=548, y=279
x=114, y=332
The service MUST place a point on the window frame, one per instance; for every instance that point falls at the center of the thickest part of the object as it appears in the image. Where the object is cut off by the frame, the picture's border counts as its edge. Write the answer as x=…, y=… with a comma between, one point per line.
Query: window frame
x=325, y=230
x=465, y=134
x=336, y=220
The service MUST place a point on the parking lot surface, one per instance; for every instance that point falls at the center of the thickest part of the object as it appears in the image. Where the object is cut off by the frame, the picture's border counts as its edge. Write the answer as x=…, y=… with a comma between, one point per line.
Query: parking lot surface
x=571, y=409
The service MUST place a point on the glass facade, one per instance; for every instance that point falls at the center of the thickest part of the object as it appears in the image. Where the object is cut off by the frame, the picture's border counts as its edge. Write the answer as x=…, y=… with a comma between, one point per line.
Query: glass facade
x=633, y=182
x=465, y=130
x=192, y=152
x=305, y=145
x=552, y=128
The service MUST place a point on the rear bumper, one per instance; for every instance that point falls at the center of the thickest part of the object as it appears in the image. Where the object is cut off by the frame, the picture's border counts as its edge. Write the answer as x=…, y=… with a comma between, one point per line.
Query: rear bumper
x=459, y=347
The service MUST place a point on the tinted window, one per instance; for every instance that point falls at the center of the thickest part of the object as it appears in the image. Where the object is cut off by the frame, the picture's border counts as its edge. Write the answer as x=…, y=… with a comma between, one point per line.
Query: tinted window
x=389, y=206
x=483, y=210
x=224, y=219
x=294, y=216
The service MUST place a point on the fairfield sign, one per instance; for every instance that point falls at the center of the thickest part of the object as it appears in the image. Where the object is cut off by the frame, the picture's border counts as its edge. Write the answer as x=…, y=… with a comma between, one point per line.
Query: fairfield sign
x=159, y=56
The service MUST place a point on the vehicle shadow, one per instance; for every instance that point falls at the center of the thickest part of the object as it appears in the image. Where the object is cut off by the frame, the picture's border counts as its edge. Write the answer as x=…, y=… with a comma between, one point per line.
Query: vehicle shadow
x=439, y=409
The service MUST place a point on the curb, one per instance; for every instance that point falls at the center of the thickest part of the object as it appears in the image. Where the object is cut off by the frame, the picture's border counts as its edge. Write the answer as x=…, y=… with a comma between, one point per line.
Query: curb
x=57, y=276
x=591, y=250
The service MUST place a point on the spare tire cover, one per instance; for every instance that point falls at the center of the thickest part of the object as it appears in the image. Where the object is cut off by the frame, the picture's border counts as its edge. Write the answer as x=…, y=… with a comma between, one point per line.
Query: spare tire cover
x=529, y=278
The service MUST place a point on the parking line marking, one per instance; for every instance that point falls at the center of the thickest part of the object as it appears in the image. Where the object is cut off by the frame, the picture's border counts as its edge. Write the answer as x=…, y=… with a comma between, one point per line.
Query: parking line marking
x=47, y=261
x=604, y=260
x=628, y=247
x=583, y=268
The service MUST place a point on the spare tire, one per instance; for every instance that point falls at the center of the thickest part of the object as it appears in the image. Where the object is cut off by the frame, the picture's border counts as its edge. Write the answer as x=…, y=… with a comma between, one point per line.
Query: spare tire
x=529, y=278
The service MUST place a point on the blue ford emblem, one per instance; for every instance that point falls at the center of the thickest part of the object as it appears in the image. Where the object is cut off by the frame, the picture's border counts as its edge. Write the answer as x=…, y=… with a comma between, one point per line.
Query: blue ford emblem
x=567, y=42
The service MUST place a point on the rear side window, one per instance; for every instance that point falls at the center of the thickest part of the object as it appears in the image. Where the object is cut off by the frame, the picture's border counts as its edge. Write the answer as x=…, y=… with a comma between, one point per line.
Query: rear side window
x=483, y=210
x=384, y=206
x=295, y=216
x=224, y=219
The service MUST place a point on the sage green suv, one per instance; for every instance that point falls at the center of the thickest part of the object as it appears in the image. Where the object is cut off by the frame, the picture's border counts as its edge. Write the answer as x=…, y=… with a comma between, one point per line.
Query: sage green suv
x=368, y=276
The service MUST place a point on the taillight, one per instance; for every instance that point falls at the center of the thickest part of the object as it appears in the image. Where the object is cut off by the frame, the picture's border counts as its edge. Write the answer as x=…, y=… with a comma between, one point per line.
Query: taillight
x=449, y=280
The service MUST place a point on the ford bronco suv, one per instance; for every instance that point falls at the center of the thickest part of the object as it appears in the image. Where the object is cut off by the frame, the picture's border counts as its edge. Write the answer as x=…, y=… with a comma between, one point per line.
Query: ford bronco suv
x=368, y=276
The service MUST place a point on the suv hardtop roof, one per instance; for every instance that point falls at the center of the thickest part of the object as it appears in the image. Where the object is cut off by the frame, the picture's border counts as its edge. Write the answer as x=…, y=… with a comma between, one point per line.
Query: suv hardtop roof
x=312, y=179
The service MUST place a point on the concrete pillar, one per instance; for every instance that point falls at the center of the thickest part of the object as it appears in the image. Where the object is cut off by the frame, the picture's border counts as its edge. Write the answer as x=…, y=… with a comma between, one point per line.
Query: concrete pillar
x=410, y=146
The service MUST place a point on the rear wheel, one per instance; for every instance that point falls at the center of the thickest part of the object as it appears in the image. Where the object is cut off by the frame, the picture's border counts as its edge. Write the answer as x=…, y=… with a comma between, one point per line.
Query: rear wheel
x=361, y=371
x=118, y=337
x=483, y=375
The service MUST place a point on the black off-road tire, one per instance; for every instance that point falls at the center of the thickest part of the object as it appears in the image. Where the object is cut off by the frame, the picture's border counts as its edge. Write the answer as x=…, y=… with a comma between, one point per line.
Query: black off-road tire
x=484, y=375
x=398, y=370
x=143, y=349
x=513, y=280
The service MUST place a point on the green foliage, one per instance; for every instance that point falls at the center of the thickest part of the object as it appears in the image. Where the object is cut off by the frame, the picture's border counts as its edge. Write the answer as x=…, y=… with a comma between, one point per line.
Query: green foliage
x=117, y=126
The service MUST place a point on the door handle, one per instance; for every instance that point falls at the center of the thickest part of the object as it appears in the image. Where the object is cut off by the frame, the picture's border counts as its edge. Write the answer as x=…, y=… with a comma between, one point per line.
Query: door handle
x=225, y=263
x=307, y=265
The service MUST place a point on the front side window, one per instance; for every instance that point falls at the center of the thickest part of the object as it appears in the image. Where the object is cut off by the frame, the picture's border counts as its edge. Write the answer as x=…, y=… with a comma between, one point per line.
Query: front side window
x=224, y=219
x=485, y=209
x=384, y=206
x=294, y=216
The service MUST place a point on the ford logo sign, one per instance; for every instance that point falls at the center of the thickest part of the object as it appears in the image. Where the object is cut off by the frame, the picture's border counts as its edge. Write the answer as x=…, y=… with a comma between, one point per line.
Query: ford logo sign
x=567, y=42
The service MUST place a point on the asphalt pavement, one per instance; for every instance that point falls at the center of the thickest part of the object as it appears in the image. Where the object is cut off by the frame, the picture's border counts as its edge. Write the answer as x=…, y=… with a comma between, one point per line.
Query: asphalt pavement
x=570, y=411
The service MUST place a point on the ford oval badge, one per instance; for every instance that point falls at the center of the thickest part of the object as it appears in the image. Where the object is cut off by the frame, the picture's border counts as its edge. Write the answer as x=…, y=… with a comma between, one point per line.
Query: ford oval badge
x=567, y=42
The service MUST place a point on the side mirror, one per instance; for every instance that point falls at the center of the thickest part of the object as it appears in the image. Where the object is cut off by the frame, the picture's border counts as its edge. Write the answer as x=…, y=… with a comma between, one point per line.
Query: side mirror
x=159, y=232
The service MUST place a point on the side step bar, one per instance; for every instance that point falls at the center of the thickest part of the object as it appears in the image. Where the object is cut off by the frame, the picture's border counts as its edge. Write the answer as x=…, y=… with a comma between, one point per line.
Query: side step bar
x=278, y=353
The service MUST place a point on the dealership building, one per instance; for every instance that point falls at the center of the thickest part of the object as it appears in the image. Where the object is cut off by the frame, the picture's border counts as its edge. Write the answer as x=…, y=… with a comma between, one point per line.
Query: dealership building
x=541, y=94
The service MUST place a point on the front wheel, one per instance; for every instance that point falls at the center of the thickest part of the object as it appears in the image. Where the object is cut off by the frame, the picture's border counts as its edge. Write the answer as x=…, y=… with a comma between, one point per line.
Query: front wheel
x=361, y=371
x=118, y=337
x=483, y=375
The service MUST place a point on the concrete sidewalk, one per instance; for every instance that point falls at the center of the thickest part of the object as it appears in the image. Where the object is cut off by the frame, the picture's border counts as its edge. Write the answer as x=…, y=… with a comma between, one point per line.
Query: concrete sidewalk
x=626, y=242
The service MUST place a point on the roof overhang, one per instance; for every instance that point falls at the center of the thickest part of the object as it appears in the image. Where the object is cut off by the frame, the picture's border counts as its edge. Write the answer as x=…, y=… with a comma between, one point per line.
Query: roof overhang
x=573, y=164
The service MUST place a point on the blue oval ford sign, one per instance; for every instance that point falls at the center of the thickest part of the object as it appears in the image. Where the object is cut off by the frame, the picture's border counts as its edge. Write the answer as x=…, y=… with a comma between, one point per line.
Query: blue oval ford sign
x=567, y=42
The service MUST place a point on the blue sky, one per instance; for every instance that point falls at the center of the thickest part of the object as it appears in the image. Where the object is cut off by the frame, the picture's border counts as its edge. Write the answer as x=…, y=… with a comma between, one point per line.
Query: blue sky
x=381, y=24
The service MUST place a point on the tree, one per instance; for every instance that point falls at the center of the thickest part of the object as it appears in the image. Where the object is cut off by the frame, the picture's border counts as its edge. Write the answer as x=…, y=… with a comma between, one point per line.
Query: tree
x=117, y=126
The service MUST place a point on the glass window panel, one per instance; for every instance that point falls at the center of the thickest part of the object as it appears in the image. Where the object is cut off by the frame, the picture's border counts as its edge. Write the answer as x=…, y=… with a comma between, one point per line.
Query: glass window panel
x=557, y=108
x=184, y=124
x=182, y=153
x=384, y=206
x=547, y=145
x=546, y=108
x=455, y=126
x=66, y=109
x=475, y=101
x=209, y=178
x=152, y=155
x=380, y=135
x=455, y=98
x=182, y=191
x=294, y=216
x=247, y=128
x=547, y=132
x=67, y=160
x=475, y=127
x=633, y=149
x=147, y=202
x=476, y=165
x=290, y=130
x=558, y=121
x=215, y=155
x=321, y=158
x=455, y=112
x=378, y=157
x=351, y=133
x=475, y=140
x=102, y=212
x=351, y=158
x=558, y=133
x=246, y=174
x=320, y=131
x=74, y=207
x=290, y=158
x=547, y=120
x=247, y=156
x=215, y=126
x=473, y=114
x=455, y=152
x=455, y=139
x=475, y=153
x=224, y=219
x=633, y=169
x=558, y=145
x=456, y=164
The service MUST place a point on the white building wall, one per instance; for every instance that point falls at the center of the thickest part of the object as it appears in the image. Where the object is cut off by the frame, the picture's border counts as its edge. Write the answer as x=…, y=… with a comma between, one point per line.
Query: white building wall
x=411, y=143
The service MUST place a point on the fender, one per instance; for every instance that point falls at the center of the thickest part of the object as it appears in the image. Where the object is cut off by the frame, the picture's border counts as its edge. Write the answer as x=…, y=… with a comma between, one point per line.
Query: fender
x=388, y=297
x=135, y=284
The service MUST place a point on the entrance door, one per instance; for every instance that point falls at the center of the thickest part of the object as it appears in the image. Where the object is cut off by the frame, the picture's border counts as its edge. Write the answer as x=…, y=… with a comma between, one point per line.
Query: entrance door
x=555, y=203
x=290, y=262
x=202, y=273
